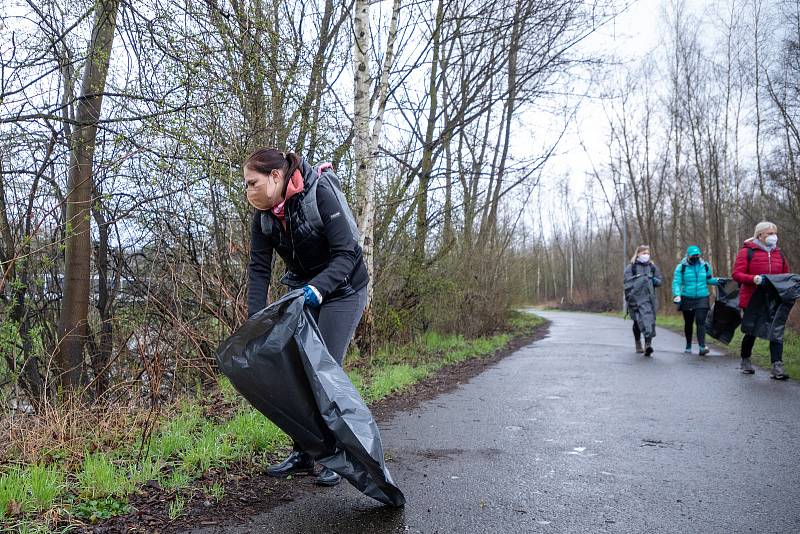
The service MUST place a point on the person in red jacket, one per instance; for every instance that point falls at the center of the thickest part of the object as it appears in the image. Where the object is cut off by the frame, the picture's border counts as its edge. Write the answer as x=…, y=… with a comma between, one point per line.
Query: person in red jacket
x=758, y=256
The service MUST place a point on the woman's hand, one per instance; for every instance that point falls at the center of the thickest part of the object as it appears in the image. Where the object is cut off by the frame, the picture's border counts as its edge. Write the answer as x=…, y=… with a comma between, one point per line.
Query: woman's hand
x=313, y=296
x=757, y=279
x=677, y=300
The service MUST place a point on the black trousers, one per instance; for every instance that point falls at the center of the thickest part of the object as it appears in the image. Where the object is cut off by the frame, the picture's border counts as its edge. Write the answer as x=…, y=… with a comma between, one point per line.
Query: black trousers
x=695, y=316
x=637, y=333
x=775, y=348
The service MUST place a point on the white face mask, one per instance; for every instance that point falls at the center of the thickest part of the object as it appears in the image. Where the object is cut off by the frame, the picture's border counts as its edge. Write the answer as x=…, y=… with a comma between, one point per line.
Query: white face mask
x=771, y=240
x=644, y=258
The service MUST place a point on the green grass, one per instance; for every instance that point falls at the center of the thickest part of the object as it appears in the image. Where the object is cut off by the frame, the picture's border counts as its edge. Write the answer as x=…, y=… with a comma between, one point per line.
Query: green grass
x=101, y=477
x=44, y=484
x=29, y=489
x=524, y=323
x=176, y=508
x=250, y=433
x=176, y=480
x=216, y=491
x=209, y=449
x=148, y=469
x=393, y=378
x=187, y=443
x=177, y=435
x=13, y=491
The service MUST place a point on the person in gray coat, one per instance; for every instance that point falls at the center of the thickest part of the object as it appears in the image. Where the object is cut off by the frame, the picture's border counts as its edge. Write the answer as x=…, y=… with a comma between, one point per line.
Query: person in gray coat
x=642, y=276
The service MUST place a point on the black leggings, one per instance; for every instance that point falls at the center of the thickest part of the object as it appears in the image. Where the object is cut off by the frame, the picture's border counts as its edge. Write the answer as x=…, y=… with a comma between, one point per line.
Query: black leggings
x=695, y=316
x=637, y=334
x=775, y=348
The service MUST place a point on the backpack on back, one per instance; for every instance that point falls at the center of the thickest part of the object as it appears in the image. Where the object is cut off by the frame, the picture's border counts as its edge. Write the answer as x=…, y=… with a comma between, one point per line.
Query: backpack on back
x=311, y=209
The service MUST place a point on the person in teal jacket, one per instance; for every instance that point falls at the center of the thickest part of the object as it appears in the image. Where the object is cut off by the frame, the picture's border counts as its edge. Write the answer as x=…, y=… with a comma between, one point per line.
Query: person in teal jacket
x=690, y=292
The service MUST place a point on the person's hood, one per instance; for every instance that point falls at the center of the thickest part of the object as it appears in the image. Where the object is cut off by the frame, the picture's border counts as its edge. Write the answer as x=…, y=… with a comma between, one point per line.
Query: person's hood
x=694, y=250
x=755, y=244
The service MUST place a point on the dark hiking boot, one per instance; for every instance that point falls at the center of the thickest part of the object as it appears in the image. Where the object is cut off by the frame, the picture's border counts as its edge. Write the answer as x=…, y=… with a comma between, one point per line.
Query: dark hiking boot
x=639, y=348
x=688, y=349
x=648, y=347
x=703, y=350
x=297, y=463
x=326, y=477
x=777, y=371
x=746, y=366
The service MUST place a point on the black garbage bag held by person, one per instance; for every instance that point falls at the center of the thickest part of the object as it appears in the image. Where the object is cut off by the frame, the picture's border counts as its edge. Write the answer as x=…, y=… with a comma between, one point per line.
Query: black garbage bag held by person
x=278, y=361
x=725, y=316
x=766, y=315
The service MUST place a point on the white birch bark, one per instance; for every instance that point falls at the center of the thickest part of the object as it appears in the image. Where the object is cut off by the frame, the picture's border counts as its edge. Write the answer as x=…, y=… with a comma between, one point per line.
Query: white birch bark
x=366, y=144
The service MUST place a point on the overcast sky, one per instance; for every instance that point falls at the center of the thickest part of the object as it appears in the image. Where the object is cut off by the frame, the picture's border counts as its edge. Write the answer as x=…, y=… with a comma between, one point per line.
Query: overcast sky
x=635, y=33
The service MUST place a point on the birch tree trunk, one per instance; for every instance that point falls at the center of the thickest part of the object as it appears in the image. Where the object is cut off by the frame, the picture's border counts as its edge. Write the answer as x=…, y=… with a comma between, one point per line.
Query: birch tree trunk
x=366, y=145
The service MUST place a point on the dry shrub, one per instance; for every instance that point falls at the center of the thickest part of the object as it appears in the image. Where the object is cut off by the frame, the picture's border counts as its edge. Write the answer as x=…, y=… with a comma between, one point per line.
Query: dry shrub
x=68, y=431
x=460, y=292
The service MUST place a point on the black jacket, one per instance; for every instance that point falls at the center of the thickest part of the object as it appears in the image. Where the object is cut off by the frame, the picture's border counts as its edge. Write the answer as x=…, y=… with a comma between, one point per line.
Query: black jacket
x=331, y=260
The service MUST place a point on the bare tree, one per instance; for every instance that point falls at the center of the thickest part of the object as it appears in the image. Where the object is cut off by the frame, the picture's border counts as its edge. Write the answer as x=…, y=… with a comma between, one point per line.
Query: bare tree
x=75, y=307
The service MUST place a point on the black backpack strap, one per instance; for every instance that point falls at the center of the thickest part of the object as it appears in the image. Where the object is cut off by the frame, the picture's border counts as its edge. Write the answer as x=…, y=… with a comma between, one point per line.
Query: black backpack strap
x=310, y=208
x=750, y=252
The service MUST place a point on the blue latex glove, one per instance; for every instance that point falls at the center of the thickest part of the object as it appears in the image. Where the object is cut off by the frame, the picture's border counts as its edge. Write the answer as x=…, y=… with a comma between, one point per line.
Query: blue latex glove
x=313, y=297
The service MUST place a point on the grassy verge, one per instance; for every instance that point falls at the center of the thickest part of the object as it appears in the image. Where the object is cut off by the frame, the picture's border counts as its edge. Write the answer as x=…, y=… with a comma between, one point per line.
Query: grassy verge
x=791, y=344
x=91, y=477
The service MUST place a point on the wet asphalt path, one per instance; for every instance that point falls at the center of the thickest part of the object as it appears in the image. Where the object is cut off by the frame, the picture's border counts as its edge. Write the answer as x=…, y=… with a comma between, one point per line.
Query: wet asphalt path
x=577, y=433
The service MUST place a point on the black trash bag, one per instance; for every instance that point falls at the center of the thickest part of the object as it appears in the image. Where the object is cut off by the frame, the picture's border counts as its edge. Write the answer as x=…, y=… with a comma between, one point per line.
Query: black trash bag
x=278, y=361
x=641, y=299
x=769, y=307
x=725, y=316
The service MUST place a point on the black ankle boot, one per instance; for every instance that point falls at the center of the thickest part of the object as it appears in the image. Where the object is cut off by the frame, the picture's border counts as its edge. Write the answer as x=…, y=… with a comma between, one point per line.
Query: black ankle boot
x=297, y=462
x=327, y=477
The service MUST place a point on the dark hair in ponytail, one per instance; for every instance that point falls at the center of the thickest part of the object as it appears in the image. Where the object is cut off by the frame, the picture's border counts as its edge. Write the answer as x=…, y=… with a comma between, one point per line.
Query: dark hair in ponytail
x=265, y=160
